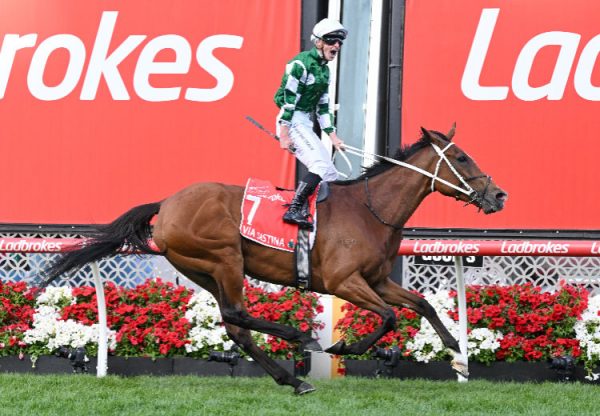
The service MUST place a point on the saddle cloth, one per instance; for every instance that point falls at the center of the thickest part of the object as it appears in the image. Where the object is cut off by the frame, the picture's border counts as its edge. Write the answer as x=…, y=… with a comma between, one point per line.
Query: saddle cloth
x=262, y=212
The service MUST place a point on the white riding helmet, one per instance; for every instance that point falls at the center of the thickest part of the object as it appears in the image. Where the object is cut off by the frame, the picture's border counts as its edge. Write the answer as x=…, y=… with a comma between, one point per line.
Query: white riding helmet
x=328, y=27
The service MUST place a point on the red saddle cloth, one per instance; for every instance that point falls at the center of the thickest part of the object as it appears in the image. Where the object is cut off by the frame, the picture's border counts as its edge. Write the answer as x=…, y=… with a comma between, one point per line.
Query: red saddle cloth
x=263, y=207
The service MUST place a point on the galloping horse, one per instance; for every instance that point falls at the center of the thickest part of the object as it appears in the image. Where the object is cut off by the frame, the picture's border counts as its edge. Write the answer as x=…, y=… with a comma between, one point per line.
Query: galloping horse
x=360, y=229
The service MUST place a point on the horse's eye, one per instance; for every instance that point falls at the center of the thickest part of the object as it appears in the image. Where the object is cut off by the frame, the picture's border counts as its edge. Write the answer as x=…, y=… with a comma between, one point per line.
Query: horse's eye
x=462, y=158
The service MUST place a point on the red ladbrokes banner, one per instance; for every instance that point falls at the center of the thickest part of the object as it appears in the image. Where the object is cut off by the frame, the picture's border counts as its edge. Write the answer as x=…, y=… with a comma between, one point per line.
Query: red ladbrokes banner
x=109, y=104
x=522, y=81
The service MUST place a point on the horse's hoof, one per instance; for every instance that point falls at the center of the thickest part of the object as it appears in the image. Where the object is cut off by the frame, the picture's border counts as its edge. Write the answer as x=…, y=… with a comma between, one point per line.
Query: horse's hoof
x=460, y=368
x=337, y=348
x=304, y=388
x=312, y=346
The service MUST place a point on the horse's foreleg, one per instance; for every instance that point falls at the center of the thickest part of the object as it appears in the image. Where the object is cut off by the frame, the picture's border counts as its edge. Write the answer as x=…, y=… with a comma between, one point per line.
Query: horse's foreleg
x=395, y=295
x=243, y=338
x=357, y=291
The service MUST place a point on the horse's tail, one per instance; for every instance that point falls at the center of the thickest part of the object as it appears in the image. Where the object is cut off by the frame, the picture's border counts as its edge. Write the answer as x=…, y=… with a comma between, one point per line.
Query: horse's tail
x=130, y=231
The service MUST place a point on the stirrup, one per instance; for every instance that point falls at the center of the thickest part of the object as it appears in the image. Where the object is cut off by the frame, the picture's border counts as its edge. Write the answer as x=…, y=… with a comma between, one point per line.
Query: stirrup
x=298, y=219
x=304, y=225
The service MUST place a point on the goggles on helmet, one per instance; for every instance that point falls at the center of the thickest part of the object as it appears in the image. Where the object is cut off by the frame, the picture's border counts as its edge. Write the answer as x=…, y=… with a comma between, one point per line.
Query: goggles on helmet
x=332, y=40
x=336, y=36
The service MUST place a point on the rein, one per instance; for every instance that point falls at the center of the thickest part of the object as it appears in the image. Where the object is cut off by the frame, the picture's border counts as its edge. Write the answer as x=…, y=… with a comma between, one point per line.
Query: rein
x=370, y=206
x=466, y=189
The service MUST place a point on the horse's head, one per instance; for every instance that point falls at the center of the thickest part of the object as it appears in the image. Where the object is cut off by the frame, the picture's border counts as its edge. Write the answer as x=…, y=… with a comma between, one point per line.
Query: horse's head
x=457, y=175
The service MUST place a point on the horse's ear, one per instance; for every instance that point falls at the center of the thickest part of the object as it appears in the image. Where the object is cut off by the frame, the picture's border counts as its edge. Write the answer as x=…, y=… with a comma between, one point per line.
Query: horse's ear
x=426, y=134
x=450, y=134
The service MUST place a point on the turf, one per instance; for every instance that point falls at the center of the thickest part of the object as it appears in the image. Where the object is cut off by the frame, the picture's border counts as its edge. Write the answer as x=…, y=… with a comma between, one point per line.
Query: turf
x=86, y=395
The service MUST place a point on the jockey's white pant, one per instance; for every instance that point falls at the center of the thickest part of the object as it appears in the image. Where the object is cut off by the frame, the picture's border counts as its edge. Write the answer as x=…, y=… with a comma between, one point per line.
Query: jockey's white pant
x=310, y=151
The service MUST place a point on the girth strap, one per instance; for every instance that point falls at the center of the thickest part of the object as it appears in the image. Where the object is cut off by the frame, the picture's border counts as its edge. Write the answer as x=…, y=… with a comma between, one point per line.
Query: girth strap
x=302, y=260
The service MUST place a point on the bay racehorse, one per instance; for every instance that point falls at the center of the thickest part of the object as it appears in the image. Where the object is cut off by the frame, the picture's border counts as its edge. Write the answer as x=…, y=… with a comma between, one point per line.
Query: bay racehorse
x=359, y=233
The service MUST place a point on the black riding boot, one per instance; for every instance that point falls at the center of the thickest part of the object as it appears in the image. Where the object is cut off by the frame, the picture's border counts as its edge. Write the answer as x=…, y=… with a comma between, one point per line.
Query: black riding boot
x=297, y=212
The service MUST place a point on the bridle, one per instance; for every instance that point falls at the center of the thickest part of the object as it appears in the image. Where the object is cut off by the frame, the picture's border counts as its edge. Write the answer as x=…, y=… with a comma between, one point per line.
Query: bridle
x=476, y=197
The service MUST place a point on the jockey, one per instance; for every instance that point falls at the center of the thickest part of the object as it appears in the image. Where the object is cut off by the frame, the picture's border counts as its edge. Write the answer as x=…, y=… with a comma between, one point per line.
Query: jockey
x=302, y=97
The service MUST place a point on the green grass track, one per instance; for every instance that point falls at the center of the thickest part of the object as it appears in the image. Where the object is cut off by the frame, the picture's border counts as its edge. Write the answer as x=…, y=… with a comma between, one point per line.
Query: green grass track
x=177, y=395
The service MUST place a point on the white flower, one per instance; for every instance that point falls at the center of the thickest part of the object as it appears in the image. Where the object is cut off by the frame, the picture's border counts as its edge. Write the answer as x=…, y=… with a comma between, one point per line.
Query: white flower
x=481, y=340
x=427, y=345
x=203, y=309
x=587, y=331
x=54, y=296
x=48, y=329
x=53, y=332
x=206, y=332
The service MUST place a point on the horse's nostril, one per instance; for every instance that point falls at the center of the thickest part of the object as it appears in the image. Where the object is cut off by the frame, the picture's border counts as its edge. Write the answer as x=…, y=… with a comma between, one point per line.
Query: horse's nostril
x=501, y=196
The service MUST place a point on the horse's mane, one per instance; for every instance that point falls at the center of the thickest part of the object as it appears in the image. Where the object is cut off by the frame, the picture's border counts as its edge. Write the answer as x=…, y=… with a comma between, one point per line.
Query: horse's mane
x=403, y=153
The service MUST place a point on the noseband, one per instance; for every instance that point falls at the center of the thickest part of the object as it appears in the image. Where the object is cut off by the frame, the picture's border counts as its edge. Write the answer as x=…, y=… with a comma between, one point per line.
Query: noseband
x=476, y=197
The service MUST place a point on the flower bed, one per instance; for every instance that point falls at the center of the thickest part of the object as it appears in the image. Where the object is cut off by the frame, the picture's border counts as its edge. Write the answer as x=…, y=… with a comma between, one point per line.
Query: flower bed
x=518, y=323
x=155, y=319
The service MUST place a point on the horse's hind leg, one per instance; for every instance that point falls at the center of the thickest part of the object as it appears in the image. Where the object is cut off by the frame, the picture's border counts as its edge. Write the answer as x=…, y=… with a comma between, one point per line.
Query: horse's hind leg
x=395, y=295
x=243, y=338
x=233, y=311
x=228, y=277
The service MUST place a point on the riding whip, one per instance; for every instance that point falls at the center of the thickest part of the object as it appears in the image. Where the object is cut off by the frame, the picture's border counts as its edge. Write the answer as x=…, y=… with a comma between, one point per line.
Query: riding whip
x=263, y=128
x=276, y=137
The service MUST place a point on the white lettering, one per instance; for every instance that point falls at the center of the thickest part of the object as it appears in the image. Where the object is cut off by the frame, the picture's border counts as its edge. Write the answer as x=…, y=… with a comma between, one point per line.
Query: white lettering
x=214, y=67
x=248, y=231
x=445, y=248
x=30, y=246
x=10, y=46
x=35, y=76
x=527, y=247
x=255, y=204
x=270, y=239
x=470, y=80
x=555, y=88
x=584, y=70
x=146, y=66
x=104, y=65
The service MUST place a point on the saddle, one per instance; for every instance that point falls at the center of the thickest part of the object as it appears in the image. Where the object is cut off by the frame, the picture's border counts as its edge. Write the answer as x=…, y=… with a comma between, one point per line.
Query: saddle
x=323, y=192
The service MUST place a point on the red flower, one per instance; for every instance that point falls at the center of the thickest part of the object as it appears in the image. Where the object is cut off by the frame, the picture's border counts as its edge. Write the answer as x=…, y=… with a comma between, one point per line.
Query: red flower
x=535, y=325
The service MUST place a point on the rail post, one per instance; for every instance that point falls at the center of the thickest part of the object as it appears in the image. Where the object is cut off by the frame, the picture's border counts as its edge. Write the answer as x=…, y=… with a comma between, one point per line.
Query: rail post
x=462, y=312
x=102, y=324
